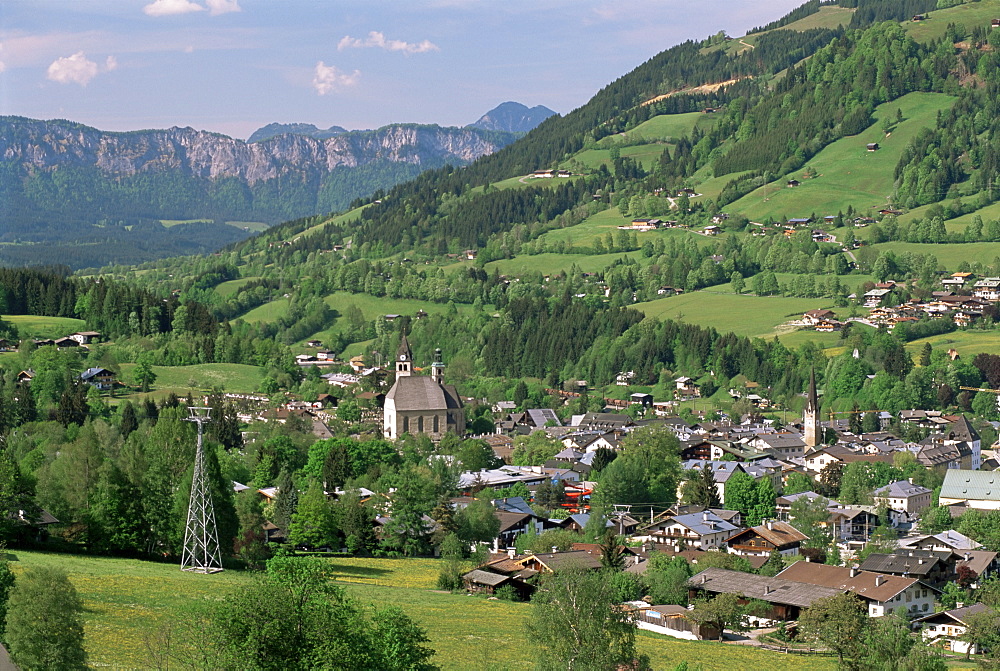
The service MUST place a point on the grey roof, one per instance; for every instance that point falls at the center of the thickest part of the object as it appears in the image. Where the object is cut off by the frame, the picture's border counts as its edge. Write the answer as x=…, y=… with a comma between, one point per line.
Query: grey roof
x=705, y=523
x=485, y=578
x=420, y=392
x=93, y=372
x=901, y=564
x=901, y=489
x=962, y=430
x=959, y=614
x=540, y=417
x=971, y=485
x=514, y=504
x=772, y=590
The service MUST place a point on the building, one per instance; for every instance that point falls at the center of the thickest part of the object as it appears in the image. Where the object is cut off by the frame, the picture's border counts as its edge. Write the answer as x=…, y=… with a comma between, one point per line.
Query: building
x=945, y=629
x=761, y=541
x=975, y=489
x=903, y=497
x=787, y=597
x=421, y=403
x=812, y=434
x=703, y=531
x=101, y=378
x=881, y=593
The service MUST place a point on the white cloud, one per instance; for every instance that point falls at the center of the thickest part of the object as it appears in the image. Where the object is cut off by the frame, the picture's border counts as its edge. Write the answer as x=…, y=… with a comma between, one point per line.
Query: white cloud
x=111, y=63
x=75, y=69
x=2, y=66
x=328, y=78
x=377, y=39
x=170, y=7
x=216, y=7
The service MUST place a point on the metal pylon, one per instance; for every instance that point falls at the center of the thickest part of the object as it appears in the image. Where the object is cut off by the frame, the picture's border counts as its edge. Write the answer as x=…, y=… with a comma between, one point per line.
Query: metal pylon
x=201, y=538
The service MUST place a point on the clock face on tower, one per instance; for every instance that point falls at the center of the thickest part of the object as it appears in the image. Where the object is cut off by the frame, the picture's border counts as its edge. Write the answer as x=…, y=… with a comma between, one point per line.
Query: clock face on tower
x=402, y=357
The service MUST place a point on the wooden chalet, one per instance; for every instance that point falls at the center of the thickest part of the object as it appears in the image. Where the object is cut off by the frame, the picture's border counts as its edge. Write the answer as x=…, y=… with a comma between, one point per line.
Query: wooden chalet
x=767, y=538
x=787, y=598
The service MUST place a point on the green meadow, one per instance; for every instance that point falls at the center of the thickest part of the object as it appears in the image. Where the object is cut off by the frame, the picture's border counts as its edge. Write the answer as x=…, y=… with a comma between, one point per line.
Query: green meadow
x=230, y=287
x=969, y=15
x=966, y=343
x=663, y=128
x=32, y=326
x=232, y=377
x=130, y=604
x=826, y=17
x=743, y=315
x=847, y=173
x=950, y=255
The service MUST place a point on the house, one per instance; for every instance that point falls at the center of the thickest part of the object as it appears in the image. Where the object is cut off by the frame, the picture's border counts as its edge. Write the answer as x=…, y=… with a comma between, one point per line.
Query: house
x=976, y=489
x=784, y=445
x=799, y=221
x=882, y=594
x=63, y=343
x=672, y=621
x=792, y=183
x=995, y=23
x=945, y=629
x=687, y=387
x=769, y=537
x=987, y=288
x=703, y=531
x=314, y=343
x=643, y=399
x=102, y=378
x=950, y=540
x=421, y=403
x=85, y=337
x=25, y=376
x=918, y=17
x=930, y=566
x=712, y=229
x=6, y=345
x=816, y=316
x=553, y=562
x=787, y=598
x=984, y=563
x=904, y=497
x=872, y=146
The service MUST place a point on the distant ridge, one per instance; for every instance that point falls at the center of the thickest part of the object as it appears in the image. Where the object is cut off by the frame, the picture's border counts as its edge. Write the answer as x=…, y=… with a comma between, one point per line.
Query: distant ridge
x=307, y=129
x=513, y=117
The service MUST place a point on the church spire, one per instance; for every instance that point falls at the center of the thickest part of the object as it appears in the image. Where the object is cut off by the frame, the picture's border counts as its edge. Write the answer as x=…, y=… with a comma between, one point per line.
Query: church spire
x=404, y=358
x=811, y=418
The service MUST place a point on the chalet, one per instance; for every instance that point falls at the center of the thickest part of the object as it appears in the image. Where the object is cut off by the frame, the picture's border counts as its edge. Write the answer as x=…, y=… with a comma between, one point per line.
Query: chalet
x=799, y=221
x=787, y=598
x=102, y=378
x=420, y=314
x=687, y=387
x=875, y=296
x=702, y=531
x=470, y=254
x=829, y=326
x=667, y=291
x=946, y=629
x=883, y=594
x=872, y=146
x=792, y=183
x=784, y=445
x=984, y=563
x=769, y=537
x=543, y=174
x=817, y=316
x=919, y=17
x=554, y=562
x=886, y=211
x=314, y=343
x=672, y=621
x=932, y=567
x=712, y=229
x=63, y=343
x=957, y=280
x=44, y=342
x=25, y=376
x=6, y=345
x=853, y=524
x=85, y=337
x=720, y=217
x=987, y=288
x=995, y=23
x=639, y=398
x=946, y=540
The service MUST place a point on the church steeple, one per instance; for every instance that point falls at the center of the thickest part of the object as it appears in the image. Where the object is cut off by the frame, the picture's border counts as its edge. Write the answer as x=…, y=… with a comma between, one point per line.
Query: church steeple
x=811, y=418
x=437, y=368
x=404, y=358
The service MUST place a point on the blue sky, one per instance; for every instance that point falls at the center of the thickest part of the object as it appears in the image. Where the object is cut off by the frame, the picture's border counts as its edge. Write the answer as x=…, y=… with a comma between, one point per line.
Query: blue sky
x=232, y=66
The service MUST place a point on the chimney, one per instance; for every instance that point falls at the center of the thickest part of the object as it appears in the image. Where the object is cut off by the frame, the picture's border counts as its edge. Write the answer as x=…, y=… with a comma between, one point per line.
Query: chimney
x=770, y=525
x=879, y=580
x=854, y=571
x=511, y=553
x=704, y=579
x=967, y=556
x=704, y=516
x=767, y=590
x=555, y=549
x=920, y=561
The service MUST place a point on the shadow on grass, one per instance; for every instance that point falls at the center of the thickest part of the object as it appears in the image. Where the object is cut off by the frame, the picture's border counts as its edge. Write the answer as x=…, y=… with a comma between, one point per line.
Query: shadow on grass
x=348, y=571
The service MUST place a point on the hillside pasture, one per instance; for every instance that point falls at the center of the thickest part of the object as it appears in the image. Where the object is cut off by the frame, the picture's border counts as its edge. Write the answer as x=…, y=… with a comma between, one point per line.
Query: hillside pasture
x=949, y=255
x=33, y=326
x=847, y=173
x=970, y=15
x=551, y=264
x=966, y=343
x=744, y=315
x=663, y=128
x=230, y=287
x=597, y=227
x=826, y=17
x=232, y=377
x=130, y=604
x=268, y=312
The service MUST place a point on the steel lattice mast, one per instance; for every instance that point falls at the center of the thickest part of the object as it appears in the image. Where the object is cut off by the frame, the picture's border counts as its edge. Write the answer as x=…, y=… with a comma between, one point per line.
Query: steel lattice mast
x=201, y=538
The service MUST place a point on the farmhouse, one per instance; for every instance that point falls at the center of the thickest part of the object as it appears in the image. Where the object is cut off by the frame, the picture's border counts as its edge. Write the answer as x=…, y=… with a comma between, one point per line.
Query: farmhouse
x=945, y=629
x=787, y=597
x=883, y=594
x=761, y=541
x=872, y=146
x=102, y=378
x=702, y=531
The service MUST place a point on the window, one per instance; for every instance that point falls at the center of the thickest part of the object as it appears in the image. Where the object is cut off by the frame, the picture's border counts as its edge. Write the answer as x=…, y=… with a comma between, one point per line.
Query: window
x=406, y=425
x=436, y=424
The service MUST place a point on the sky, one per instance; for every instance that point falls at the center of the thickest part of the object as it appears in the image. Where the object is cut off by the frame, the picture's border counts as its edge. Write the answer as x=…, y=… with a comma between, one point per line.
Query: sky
x=232, y=66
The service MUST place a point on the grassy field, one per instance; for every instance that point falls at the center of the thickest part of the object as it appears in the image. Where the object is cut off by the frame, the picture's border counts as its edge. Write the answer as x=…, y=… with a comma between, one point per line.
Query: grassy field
x=758, y=315
x=234, y=377
x=608, y=221
x=967, y=343
x=826, y=17
x=31, y=326
x=664, y=127
x=950, y=254
x=128, y=602
x=848, y=174
x=555, y=263
x=267, y=312
x=230, y=287
x=969, y=15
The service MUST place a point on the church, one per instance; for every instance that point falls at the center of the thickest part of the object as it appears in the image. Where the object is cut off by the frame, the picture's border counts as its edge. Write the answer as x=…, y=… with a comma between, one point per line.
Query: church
x=421, y=403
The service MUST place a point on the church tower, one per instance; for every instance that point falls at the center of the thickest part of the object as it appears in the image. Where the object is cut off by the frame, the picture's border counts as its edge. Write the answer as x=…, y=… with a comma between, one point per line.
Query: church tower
x=404, y=359
x=437, y=368
x=811, y=419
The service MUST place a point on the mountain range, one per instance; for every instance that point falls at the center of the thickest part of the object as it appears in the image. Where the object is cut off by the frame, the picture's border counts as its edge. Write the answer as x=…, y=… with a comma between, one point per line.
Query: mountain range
x=513, y=117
